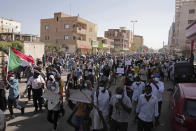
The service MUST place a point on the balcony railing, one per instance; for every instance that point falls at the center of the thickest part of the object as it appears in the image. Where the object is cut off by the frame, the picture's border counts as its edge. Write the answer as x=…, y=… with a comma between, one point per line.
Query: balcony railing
x=80, y=30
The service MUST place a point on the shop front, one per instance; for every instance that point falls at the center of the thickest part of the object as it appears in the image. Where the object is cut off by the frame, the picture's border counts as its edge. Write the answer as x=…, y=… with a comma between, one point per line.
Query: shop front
x=84, y=48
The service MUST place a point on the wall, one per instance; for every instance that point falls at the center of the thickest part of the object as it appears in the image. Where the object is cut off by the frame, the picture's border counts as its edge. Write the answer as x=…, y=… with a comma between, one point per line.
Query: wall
x=36, y=50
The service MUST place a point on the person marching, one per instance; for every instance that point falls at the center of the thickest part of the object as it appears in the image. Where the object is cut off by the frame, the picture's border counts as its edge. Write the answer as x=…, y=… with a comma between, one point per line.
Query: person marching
x=37, y=83
x=53, y=107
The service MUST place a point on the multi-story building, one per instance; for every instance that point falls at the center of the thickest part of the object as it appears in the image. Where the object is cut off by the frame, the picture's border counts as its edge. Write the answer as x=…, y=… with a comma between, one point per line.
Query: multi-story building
x=122, y=38
x=171, y=37
x=105, y=44
x=185, y=14
x=138, y=42
x=9, y=26
x=74, y=32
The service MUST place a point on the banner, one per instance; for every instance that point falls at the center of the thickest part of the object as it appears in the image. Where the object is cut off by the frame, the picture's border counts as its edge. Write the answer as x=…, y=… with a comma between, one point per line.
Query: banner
x=78, y=95
x=128, y=62
x=51, y=96
x=120, y=70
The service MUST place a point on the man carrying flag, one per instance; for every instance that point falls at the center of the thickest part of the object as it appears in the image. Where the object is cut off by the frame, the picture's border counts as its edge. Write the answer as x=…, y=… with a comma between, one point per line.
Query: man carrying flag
x=15, y=60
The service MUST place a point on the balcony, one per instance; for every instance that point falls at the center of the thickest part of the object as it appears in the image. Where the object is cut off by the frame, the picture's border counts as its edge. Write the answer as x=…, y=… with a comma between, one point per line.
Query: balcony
x=80, y=30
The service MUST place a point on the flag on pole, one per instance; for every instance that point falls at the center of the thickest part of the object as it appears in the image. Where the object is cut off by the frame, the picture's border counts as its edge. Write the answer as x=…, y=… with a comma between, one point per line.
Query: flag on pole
x=16, y=59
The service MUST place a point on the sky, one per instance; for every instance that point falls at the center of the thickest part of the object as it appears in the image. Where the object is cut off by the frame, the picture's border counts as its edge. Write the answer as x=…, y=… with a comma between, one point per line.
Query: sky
x=154, y=16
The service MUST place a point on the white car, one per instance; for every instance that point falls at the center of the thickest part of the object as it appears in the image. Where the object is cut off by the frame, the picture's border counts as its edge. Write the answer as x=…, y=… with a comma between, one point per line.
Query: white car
x=2, y=121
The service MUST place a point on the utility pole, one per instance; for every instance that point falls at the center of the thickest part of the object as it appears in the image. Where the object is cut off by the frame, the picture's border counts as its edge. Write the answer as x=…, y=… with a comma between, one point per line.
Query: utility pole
x=133, y=22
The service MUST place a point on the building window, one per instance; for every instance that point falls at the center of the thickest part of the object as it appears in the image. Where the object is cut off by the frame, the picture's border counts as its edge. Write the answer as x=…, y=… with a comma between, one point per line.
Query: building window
x=66, y=37
x=56, y=29
x=66, y=26
x=74, y=38
x=47, y=27
x=2, y=22
x=57, y=18
x=46, y=37
x=192, y=11
x=56, y=40
x=190, y=21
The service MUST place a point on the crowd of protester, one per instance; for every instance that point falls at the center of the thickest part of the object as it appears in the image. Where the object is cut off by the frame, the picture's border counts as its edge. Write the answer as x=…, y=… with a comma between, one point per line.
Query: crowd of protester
x=136, y=92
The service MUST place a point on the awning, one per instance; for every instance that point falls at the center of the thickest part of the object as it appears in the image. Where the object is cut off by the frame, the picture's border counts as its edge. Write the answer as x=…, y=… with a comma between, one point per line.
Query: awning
x=84, y=46
x=191, y=31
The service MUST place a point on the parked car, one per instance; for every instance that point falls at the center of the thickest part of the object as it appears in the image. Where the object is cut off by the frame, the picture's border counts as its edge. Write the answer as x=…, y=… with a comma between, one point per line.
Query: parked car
x=183, y=106
x=184, y=72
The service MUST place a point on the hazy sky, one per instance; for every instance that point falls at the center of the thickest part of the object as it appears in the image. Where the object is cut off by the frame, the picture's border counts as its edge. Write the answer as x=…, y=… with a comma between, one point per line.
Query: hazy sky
x=154, y=16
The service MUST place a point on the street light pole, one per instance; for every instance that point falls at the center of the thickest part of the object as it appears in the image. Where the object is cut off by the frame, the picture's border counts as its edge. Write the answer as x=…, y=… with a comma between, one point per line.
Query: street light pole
x=133, y=21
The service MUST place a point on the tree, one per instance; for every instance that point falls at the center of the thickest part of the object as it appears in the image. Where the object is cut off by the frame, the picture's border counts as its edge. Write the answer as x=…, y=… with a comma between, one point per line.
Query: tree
x=15, y=44
x=18, y=46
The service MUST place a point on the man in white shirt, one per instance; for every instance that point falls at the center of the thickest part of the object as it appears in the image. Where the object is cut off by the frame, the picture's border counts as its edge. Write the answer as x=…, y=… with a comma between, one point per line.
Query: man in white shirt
x=101, y=100
x=119, y=111
x=157, y=90
x=138, y=88
x=37, y=83
x=147, y=109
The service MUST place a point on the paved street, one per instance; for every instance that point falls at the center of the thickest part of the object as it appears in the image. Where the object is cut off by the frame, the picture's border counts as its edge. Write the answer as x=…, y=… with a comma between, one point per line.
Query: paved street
x=39, y=122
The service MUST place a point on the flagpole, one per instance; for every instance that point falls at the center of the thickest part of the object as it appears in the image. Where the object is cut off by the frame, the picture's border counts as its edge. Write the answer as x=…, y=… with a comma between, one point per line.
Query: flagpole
x=8, y=63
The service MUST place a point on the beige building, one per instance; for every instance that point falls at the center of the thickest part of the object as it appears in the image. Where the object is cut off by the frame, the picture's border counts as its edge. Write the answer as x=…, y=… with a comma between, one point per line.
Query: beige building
x=74, y=32
x=34, y=49
x=122, y=38
x=138, y=42
x=105, y=44
x=185, y=15
x=9, y=26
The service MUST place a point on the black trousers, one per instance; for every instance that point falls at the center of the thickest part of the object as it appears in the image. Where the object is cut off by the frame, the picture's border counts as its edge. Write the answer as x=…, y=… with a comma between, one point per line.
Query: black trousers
x=159, y=107
x=3, y=102
x=118, y=126
x=37, y=98
x=13, y=102
x=144, y=126
x=29, y=92
x=52, y=117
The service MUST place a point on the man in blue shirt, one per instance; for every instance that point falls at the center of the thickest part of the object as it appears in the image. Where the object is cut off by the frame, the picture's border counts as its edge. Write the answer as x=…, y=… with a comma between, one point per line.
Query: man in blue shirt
x=13, y=96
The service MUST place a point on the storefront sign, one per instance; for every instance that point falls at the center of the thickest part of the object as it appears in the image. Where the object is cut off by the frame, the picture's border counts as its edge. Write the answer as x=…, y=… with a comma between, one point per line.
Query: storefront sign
x=84, y=46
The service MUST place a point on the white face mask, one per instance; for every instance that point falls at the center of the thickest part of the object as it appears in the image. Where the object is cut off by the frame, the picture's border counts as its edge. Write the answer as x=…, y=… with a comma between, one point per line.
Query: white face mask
x=137, y=83
x=12, y=78
x=101, y=88
x=118, y=96
x=148, y=94
x=53, y=88
x=156, y=79
x=85, y=85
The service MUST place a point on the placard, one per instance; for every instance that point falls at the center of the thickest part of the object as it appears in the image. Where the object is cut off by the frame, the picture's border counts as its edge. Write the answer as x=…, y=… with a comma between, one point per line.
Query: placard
x=51, y=96
x=78, y=95
x=120, y=70
x=128, y=62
